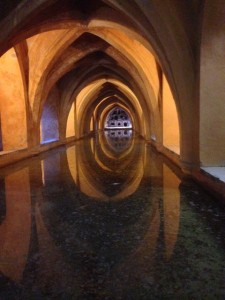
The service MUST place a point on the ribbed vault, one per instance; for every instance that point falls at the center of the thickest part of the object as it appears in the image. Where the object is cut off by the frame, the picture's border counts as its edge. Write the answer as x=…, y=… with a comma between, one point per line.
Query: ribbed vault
x=85, y=54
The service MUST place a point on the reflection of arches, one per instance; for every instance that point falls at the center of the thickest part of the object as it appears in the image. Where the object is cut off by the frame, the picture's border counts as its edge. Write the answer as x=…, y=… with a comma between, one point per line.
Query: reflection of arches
x=83, y=211
x=15, y=230
x=139, y=219
x=107, y=151
x=94, y=165
x=119, y=140
x=118, y=118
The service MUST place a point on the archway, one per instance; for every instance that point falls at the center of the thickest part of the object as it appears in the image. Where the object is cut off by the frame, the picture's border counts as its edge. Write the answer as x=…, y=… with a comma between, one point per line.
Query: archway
x=148, y=48
x=118, y=118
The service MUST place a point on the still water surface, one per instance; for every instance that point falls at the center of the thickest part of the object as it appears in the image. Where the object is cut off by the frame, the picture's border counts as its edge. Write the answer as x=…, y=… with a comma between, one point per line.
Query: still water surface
x=108, y=218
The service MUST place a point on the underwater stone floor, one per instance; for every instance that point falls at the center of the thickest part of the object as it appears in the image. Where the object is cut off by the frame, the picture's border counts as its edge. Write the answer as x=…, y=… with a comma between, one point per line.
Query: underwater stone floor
x=108, y=218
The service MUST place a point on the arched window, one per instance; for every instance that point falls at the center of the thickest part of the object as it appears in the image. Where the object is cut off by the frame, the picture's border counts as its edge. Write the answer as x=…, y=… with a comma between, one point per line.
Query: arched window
x=118, y=118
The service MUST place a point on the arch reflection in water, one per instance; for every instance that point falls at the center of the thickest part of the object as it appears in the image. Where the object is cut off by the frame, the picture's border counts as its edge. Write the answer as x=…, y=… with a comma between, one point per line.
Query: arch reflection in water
x=119, y=140
x=110, y=213
x=101, y=173
x=89, y=223
x=15, y=229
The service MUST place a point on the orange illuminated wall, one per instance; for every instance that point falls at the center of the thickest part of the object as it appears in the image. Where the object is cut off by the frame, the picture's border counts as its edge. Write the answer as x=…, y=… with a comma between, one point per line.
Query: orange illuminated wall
x=171, y=134
x=70, y=128
x=12, y=103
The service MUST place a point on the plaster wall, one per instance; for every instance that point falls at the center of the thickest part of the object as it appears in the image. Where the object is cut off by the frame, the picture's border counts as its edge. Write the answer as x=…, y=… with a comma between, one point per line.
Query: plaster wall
x=49, y=120
x=12, y=103
x=44, y=48
x=212, y=87
x=171, y=135
x=70, y=128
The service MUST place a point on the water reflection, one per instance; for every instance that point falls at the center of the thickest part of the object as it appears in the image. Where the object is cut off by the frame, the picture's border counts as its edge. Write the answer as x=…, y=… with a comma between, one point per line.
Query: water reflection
x=91, y=223
x=119, y=140
x=100, y=173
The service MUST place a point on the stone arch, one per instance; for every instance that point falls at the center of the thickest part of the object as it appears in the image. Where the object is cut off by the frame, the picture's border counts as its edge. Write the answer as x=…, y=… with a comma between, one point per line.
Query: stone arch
x=174, y=55
x=122, y=118
x=91, y=94
x=87, y=79
x=146, y=95
x=109, y=104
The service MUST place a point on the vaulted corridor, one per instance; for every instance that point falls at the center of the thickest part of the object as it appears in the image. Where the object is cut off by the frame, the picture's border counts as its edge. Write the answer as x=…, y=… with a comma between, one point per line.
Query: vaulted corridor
x=138, y=85
x=64, y=66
